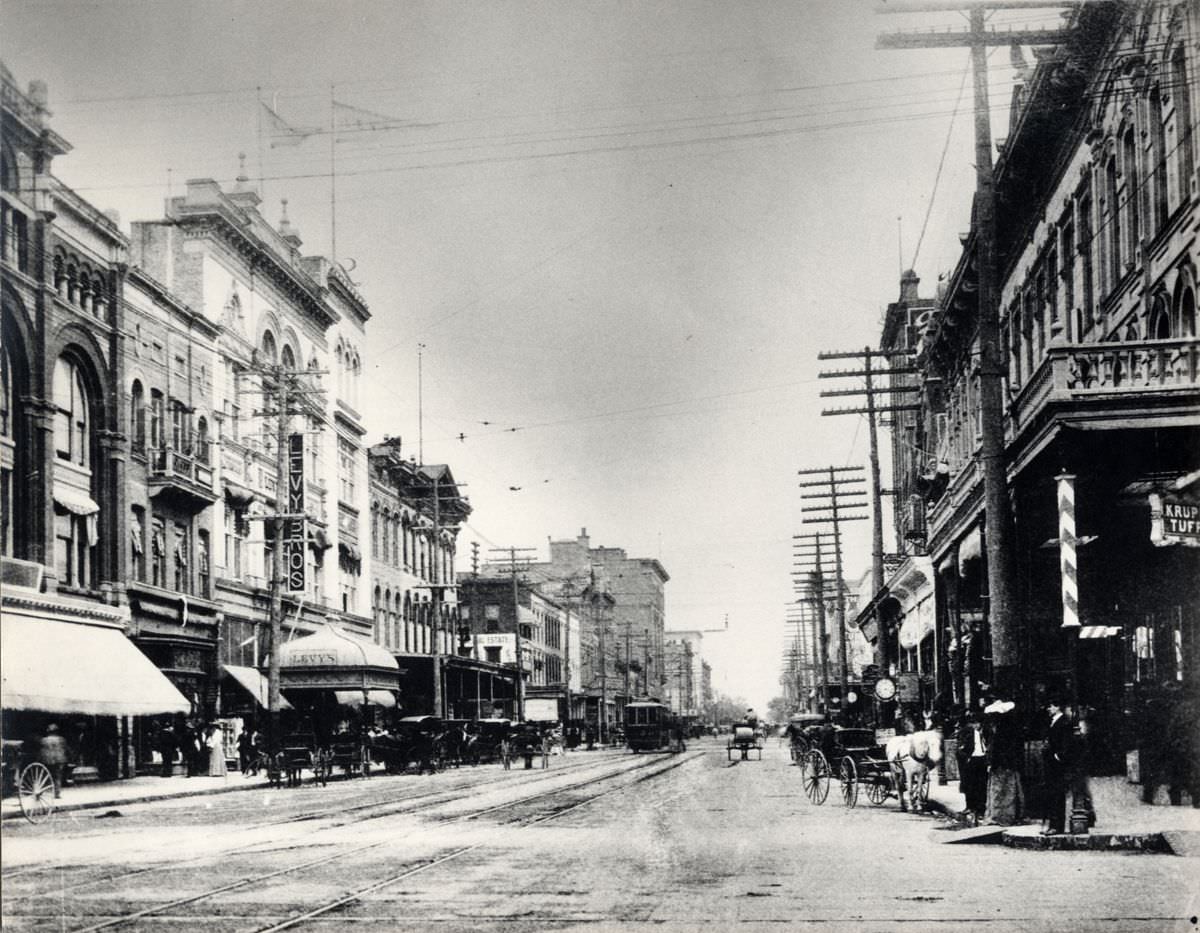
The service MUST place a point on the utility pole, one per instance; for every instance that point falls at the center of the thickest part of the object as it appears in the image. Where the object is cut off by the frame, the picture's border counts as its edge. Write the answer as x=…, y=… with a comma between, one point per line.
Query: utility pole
x=999, y=523
x=516, y=593
x=870, y=390
x=839, y=491
x=814, y=584
x=282, y=390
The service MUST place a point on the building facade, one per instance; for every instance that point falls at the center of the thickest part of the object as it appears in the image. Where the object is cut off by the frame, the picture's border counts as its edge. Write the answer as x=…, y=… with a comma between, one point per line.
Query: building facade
x=1098, y=245
x=288, y=332
x=64, y=464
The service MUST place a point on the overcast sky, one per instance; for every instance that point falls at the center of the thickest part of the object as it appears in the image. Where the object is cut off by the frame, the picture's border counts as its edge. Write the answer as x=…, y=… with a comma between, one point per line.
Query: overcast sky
x=624, y=229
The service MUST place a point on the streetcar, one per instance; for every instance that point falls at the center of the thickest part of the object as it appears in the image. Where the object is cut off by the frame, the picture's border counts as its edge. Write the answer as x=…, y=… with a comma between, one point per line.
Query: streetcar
x=648, y=726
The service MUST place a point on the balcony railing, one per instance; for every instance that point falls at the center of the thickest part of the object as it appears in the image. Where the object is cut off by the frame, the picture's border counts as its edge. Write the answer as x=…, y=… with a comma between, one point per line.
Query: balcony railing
x=191, y=465
x=1077, y=373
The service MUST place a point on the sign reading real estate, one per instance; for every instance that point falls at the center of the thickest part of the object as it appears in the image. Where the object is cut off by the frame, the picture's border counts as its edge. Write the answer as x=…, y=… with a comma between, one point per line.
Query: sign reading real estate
x=293, y=525
x=1174, y=520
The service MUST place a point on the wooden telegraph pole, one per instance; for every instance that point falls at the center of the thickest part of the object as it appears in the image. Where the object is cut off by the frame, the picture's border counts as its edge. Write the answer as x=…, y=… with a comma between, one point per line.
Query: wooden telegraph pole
x=812, y=584
x=839, y=490
x=999, y=528
x=516, y=593
x=871, y=391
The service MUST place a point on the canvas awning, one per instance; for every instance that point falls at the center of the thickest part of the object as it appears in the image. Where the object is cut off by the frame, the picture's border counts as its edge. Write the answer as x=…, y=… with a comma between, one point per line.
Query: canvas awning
x=75, y=501
x=254, y=683
x=382, y=698
x=1099, y=631
x=80, y=667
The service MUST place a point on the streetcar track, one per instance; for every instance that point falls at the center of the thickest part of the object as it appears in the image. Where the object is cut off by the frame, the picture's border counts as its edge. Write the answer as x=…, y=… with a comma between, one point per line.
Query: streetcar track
x=409, y=804
x=388, y=882
x=160, y=909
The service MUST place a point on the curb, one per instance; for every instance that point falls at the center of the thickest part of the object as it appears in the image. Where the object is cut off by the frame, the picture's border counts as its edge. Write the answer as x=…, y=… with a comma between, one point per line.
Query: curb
x=1148, y=843
x=16, y=814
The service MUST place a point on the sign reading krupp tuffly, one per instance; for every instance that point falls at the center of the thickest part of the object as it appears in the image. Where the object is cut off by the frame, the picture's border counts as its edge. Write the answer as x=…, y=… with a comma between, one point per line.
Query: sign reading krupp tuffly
x=293, y=525
x=1174, y=520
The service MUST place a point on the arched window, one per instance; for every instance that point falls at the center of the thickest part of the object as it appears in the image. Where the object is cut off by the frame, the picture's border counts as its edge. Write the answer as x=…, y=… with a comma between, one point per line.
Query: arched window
x=137, y=416
x=269, y=351
x=287, y=358
x=1133, y=195
x=1158, y=327
x=1187, y=313
x=72, y=438
x=383, y=544
x=1113, y=217
x=396, y=541
x=1158, y=155
x=375, y=531
x=1185, y=146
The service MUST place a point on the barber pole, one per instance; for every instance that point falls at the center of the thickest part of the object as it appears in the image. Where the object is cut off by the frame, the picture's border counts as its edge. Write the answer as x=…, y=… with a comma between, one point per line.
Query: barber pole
x=1067, y=549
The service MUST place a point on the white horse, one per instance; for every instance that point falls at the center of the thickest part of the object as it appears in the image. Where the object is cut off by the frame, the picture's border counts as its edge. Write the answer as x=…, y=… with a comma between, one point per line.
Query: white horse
x=911, y=758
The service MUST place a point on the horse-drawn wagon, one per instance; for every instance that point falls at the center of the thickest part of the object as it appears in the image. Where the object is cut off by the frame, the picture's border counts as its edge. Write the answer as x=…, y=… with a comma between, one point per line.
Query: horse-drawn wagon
x=744, y=738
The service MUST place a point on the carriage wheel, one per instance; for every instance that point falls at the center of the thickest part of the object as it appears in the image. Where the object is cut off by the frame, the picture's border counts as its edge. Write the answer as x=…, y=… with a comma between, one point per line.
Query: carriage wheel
x=816, y=776
x=877, y=791
x=36, y=793
x=848, y=776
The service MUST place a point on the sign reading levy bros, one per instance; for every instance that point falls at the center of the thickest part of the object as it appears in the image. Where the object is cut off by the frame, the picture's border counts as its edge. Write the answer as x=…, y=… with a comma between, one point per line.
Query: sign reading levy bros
x=293, y=525
x=1174, y=520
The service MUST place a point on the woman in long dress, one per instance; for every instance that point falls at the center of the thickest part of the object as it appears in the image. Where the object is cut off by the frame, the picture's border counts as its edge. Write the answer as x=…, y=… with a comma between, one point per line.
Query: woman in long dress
x=216, y=752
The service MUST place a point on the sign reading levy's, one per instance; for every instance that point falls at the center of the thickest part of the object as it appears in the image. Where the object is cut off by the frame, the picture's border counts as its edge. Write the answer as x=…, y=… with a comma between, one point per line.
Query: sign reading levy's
x=1174, y=520
x=293, y=525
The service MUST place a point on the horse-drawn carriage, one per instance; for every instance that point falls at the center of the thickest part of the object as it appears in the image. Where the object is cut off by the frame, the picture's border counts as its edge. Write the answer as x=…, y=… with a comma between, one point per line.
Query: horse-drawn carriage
x=858, y=760
x=418, y=740
x=744, y=737
x=799, y=730
x=29, y=778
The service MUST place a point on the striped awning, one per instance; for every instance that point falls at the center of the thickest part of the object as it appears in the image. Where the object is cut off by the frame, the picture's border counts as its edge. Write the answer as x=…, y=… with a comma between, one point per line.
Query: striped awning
x=1099, y=631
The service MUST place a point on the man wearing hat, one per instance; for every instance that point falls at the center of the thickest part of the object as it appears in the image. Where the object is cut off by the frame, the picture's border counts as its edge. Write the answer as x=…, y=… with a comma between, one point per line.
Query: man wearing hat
x=1059, y=759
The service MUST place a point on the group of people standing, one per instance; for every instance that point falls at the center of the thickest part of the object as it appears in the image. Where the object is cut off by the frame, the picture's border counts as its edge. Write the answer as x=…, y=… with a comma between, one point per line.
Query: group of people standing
x=198, y=746
x=990, y=752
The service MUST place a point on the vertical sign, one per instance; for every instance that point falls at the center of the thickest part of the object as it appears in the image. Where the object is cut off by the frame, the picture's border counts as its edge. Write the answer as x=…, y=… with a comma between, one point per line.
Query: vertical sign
x=293, y=524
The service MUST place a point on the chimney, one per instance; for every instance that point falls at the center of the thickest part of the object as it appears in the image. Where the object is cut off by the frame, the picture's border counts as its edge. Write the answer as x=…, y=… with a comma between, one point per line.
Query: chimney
x=908, y=286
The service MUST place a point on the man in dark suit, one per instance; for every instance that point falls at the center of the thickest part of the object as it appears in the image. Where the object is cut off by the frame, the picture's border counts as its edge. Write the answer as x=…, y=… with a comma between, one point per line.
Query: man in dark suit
x=1058, y=761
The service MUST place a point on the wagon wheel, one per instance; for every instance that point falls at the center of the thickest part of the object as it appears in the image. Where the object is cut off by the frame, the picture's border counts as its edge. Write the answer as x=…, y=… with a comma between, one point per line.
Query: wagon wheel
x=877, y=790
x=36, y=793
x=848, y=776
x=816, y=776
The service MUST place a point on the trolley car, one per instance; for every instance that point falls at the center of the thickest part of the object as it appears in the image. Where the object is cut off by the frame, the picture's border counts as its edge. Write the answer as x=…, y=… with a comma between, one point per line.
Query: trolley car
x=648, y=726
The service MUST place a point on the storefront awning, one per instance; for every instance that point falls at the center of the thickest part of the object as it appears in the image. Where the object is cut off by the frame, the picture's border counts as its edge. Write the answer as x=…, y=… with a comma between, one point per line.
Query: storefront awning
x=1099, y=631
x=253, y=683
x=382, y=698
x=69, y=667
x=75, y=500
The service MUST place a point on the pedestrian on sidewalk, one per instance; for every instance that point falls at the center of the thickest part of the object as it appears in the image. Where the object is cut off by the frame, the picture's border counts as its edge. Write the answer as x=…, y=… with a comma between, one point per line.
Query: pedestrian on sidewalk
x=1058, y=763
x=1006, y=747
x=972, y=765
x=166, y=749
x=216, y=752
x=52, y=752
x=245, y=747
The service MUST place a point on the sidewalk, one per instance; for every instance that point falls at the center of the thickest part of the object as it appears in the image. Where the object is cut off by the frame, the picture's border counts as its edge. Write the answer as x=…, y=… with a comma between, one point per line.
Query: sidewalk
x=108, y=794
x=1123, y=823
